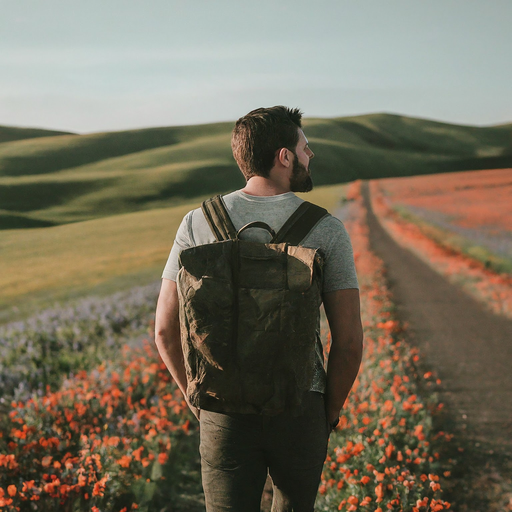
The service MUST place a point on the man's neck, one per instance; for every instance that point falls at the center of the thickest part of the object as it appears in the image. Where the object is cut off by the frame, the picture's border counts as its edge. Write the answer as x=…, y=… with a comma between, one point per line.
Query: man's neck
x=260, y=186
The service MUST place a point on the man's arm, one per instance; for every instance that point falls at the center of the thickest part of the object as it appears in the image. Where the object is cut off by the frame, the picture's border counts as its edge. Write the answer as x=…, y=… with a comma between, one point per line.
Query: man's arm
x=167, y=335
x=343, y=314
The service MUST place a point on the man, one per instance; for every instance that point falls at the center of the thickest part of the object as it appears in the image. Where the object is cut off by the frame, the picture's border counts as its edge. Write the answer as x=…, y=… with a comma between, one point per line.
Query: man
x=237, y=450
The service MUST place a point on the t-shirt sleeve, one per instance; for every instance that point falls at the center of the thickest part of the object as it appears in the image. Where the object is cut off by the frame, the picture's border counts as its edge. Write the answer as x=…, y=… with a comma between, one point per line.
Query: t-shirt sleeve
x=182, y=241
x=339, y=268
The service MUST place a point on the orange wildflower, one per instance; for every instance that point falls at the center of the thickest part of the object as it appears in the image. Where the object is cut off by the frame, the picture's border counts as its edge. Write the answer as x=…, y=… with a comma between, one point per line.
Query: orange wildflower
x=99, y=487
x=27, y=485
x=379, y=492
x=434, y=486
x=389, y=450
x=422, y=503
x=124, y=461
x=353, y=500
x=46, y=461
x=137, y=453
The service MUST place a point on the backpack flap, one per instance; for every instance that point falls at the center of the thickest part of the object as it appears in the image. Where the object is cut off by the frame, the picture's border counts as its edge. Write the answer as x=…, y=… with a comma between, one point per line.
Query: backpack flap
x=262, y=265
x=213, y=260
x=301, y=265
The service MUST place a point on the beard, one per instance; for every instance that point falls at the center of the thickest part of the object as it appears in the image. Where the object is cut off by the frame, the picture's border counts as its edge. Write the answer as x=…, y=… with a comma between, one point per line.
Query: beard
x=301, y=179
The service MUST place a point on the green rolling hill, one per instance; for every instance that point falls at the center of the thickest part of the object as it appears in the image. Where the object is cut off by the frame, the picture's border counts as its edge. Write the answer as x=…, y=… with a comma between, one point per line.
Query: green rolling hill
x=57, y=178
x=11, y=133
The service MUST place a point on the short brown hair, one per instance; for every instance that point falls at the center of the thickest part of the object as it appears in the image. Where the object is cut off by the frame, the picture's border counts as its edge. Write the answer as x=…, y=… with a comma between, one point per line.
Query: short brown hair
x=258, y=135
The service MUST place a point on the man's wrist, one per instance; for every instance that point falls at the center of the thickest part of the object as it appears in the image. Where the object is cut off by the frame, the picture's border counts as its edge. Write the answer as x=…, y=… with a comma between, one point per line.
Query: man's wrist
x=334, y=424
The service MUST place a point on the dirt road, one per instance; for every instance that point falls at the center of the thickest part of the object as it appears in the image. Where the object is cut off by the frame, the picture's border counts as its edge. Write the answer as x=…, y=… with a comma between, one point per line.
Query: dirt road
x=468, y=347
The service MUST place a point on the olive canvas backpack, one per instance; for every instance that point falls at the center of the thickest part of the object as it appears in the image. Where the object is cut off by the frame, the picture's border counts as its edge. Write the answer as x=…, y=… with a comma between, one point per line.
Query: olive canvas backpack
x=249, y=314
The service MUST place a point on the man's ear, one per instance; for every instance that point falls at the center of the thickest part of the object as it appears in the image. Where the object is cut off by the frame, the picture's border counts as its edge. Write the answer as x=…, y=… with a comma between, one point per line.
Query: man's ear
x=284, y=156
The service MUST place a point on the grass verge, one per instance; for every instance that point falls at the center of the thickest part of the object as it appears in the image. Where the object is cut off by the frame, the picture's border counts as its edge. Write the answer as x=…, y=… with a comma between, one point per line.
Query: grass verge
x=385, y=454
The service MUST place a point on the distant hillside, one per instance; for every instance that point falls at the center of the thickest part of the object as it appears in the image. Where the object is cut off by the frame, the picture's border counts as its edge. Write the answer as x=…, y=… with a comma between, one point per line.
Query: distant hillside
x=50, y=154
x=68, y=178
x=9, y=133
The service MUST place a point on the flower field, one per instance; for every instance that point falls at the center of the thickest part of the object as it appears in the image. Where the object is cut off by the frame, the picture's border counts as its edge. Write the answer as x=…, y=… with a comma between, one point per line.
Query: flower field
x=101, y=442
x=475, y=204
x=115, y=434
x=36, y=353
x=463, y=231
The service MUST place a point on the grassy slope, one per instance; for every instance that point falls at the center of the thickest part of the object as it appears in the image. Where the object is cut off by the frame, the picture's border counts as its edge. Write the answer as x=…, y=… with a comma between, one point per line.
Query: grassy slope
x=69, y=178
x=96, y=256
x=11, y=133
x=51, y=154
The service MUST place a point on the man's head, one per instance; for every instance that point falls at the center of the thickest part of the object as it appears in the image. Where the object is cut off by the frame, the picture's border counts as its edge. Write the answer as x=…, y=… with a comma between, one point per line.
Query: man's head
x=261, y=134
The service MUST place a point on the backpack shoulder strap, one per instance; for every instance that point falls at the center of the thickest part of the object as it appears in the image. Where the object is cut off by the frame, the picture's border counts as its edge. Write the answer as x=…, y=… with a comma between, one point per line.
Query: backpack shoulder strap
x=218, y=219
x=300, y=223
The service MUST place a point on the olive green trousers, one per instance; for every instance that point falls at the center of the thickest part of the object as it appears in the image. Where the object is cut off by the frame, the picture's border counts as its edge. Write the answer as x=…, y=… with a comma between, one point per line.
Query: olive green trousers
x=239, y=450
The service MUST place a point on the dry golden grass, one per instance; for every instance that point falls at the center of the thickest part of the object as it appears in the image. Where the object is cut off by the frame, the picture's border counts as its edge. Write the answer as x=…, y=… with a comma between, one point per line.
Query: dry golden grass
x=73, y=259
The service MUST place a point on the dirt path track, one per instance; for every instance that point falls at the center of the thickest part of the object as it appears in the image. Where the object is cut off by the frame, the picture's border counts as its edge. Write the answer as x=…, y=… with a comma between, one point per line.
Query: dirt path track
x=468, y=347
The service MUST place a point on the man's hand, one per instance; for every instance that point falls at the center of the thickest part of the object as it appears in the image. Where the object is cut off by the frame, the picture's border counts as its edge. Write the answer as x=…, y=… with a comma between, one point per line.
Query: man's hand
x=168, y=338
x=342, y=308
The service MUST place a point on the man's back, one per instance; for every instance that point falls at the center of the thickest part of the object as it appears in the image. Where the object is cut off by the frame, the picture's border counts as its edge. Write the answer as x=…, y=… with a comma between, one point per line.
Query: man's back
x=239, y=450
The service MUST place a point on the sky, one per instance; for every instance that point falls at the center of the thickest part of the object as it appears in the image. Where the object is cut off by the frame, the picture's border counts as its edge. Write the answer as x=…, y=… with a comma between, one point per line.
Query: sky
x=102, y=65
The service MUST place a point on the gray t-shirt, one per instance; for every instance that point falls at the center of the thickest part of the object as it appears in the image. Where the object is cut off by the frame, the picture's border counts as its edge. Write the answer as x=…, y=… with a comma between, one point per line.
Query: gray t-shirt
x=329, y=235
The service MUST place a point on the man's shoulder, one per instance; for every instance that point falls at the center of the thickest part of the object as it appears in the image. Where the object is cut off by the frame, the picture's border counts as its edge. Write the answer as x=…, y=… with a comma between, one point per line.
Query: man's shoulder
x=194, y=229
x=328, y=230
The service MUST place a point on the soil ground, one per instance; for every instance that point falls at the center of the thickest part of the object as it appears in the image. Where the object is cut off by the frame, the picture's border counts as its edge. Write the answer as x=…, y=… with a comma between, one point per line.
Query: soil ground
x=470, y=349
